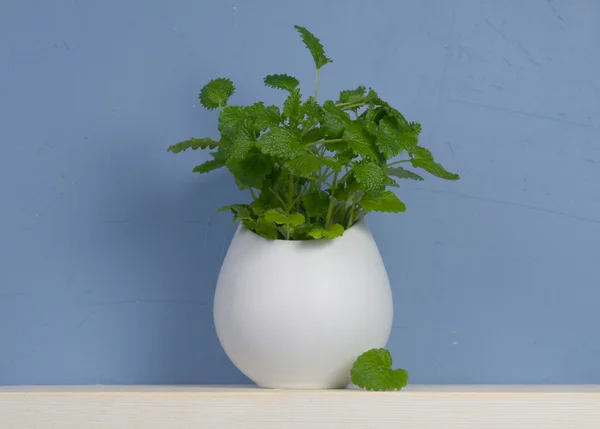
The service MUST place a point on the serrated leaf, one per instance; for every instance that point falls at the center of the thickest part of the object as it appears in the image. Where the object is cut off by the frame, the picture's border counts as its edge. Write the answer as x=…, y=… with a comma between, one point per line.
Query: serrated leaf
x=360, y=142
x=402, y=173
x=373, y=371
x=242, y=143
x=262, y=227
x=314, y=46
x=240, y=211
x=334, y=120
x=230, y=119
x=265, y=201
x=262, y=117
x=334, y=231
x=385, y=202
x=250, y=171
x=218, y=161
x=312, y=109
x=282, y=143
x=216, y=93
x=281, y=81
x=434, y=168
x=313, y=135
x=291, y=108
x=423, y=158
x=208, y=166
x=193, y=144
x=281, y=218
x=306, y=164
x=371, y=176
x=389, y=140
x=420, y=152
x=316, y=204
x=344, y=191
x=352, y=95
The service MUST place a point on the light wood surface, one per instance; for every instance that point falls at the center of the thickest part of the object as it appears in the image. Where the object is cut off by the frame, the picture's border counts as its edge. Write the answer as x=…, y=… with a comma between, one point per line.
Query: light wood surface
x=419, y=407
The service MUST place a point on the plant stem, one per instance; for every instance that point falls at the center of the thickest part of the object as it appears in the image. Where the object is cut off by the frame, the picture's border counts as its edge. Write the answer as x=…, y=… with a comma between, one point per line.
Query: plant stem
x=290, y=201
x=331, y=201
x=346, y=106
x=351, y=217
x=316, y=84
x=253, y=194
x=398, y=162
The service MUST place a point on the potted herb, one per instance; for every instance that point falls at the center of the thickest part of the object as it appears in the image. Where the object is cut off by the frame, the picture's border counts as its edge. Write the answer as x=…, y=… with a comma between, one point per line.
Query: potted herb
x=303, y=290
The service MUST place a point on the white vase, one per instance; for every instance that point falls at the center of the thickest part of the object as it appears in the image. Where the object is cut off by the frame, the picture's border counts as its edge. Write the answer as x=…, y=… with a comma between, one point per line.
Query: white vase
x=296, y=314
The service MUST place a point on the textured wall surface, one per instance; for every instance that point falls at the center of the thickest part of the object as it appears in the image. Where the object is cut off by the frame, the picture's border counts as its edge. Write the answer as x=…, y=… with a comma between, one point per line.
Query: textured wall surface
x=109, y=245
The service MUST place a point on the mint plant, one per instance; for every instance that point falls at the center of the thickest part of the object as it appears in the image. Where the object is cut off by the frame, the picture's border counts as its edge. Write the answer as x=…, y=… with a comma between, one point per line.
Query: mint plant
x=313, y=170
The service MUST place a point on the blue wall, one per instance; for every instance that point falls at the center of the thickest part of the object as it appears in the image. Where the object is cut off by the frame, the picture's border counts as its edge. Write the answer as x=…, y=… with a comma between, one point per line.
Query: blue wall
x=110, y=248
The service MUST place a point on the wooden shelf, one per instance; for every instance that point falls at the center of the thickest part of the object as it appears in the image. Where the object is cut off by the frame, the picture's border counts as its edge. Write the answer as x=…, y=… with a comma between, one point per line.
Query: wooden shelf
x=233, y=407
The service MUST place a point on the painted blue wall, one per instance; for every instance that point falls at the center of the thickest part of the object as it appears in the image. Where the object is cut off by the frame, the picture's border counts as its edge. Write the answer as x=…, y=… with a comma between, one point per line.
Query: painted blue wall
x=110, y=246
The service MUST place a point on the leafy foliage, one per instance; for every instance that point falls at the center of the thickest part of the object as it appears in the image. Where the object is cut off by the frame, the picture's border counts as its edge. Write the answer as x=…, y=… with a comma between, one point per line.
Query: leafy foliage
x=373, y=371
x=314, y=46
x=313, y=169
x=281, y=81
x=216, y=93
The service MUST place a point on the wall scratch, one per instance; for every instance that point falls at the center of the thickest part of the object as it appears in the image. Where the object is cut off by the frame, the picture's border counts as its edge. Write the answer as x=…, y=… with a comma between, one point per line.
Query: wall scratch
x=515, y=204
x=522, y=113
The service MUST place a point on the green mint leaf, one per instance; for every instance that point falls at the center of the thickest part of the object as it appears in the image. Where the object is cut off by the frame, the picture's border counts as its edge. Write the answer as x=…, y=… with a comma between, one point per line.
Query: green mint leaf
x=251, y=171
x=373, y=371
x=420, y=152
x=314, y=46
x=291, y=108
x=334, y=120
x=279, y=217
x=307, y=164
x=242, y=143
x=384, y=202
x=262, y=117
x=216, y=93
x=282, y=143
x=281, y=81
x=262, y=227
x=360, y=142
x=334, y=231
x=415, y=128
x=230, y=119
x=193, y=144
x=352, y=96
x=265, y=201
x=346, y=190
x=389, y=141
x=316, y=204
x=371, y=176
x=423, y=158
x=402, y=173
x=209, y=166
x=240, y=211
x=312, y=109
x=434, y=168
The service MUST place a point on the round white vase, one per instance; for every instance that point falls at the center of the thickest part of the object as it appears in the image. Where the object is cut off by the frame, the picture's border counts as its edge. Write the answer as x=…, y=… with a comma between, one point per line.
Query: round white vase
x=296, y=314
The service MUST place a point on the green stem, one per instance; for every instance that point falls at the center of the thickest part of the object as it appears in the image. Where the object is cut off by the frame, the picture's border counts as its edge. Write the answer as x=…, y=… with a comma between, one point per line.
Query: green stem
x=398, y=162
x=346, y=106
x=331, y=201
x=290, y=203
x=254, y=197
x=316, y=84
x=278, y=198
x=351, y=217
